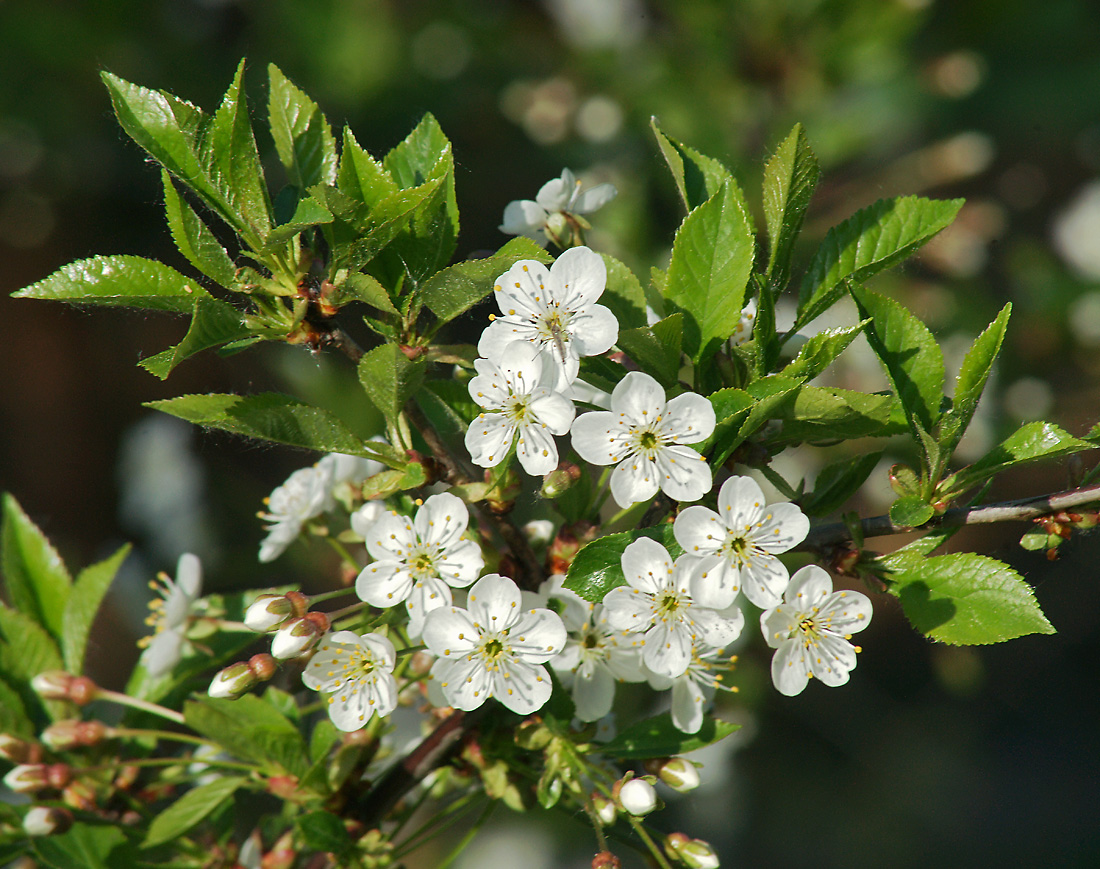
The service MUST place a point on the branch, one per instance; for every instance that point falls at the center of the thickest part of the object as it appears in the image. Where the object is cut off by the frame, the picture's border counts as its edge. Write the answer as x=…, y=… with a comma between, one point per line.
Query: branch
x=1020, y=510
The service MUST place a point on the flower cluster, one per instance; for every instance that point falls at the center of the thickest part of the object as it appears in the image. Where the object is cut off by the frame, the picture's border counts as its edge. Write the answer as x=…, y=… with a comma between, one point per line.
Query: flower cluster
x=555, y=213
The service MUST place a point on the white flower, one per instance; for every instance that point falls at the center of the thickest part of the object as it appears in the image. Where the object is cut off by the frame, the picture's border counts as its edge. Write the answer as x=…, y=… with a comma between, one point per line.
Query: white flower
x=307, y=493
x=736, y=546
x=811, y=629
x=419, y=562
x=348, y=469
x=555, y=310
x=170, y=615
x=516, y=397
x=645, y=435
x=742, y=332
x=657, y=602
x=595, y=657
x=695, y=688
x=357, y=672
x=552, y=214
x=638, y=797
x=494, y=648
x=365, y=516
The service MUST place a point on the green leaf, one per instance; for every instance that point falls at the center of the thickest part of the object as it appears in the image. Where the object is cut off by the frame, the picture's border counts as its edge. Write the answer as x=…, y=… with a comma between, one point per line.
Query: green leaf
x=909, y=354
x=837, y=482
x=130, y=281
x=28, y=650
x=869, y=241
x=623, y=295
x=189, y=809
x=598, y=566
x=13, y=715
x=712, y=258
x=911, y=511
x=390, y=379
x=303, y=138
x=269, y=416
x=308, y=214
x=87, y=846
x=387, y=222
x=965, y=598
x=790, y=177
x=658, y=737
x=972, y=379
x=697, y=177
x=818, y=414
x=364, y=288
x=361, y=176
x=456, y=289
x=769, y=395
x=820, y=350
x=80, y=610
x=194, y=238
x=324, y=831
x=656, y=348
x=36, y=579
x=1030, y=442
x=250, y=729
x=213, y=323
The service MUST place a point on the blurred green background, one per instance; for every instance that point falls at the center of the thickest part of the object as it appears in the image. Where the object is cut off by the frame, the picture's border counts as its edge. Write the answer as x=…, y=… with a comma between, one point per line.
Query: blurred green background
x=933, y=755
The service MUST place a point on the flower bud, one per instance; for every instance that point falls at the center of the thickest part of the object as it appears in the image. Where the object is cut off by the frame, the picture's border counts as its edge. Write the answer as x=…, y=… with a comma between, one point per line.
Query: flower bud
x=678, y=773
x=606, y=860
x=47, y=821
x=59, y=685
x=67, y=735
x=263, y=666
x=232, y=682
x=268, y=612
x=28, y=778
x=604, y=808
x=560, y=480
x=17, y=750
x=293, y=639
x=694, y=853
x=80, y=795
x=637, y=797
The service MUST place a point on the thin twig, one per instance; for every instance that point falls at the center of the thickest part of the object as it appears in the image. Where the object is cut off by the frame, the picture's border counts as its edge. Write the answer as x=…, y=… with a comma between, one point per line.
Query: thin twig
x=1007, y=511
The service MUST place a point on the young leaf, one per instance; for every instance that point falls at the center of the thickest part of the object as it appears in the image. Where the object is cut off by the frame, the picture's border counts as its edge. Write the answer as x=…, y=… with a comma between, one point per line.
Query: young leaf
x=598, y=566
x=909, y=354
x=362, y=177
x=272, y=417
x=770, y=395
x=456, y=289
x=324, y=831
x=697, y=177
x=1030, y=442
x=230, y=153
x=307, y=214
x=818, y=414
x=388, y=221
x=213, y=323
x=194, y=238
x=869, y=241
x=390, y=379
x=34, y=574
x=89, y=846
x=910, y=511
x=712, y=258
x=13, y=717
x=303, y=138
x=965, y=598
x=189, y=809
x=250, y=729
x=129, y=281
x=820, y=350
x=623, y=295
x=836, y=483
x=790, y=177
x=26, y=651
x=80, y=610
x=659, y=737
x=971, y=382
x=656, y=348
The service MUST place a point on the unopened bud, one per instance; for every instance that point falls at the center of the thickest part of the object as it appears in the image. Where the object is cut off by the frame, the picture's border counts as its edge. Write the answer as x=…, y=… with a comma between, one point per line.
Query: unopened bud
x=47, y=821
x=59, y=685
x=694, y=853
x=560, y=480
x=606, y=860
x=80, y=795
x=637, y=797
x=604, y=808
x=268, y=612
x=678, y=773
x=263, y=666
x=539, y=532
x=293, y=639
x=232, y=682
x=17, y=750
x=282, y=855
x=67, y=735
x=28, y=778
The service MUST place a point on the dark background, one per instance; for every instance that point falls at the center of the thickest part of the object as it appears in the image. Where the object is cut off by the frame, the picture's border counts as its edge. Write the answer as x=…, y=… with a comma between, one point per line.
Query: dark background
x=932, y=755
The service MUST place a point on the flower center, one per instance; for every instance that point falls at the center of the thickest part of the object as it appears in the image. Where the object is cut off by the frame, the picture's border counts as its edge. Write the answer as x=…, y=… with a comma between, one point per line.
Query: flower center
x=421, y=561
x=739, y=550
x=810, y=630
x=516, y=409
x=669, y=604
x=359, y=666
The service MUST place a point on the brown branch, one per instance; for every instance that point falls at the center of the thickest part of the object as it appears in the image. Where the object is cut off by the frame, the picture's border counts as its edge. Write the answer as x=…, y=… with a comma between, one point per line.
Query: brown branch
x=1020, y=510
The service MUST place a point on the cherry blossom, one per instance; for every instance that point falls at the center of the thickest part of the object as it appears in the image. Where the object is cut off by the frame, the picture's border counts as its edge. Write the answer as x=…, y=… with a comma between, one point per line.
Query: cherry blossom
x=694, y=689
x=170, y=615
x=356, y=671
x=553, y=214
x=811, y=630
x=735, y=548
x=306, y=494
x=646, y=436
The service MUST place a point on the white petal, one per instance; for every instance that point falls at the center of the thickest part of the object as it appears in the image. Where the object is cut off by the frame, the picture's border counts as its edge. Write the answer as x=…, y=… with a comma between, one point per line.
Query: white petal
x=449, y=632
x=464, y=681
x=493, y=602
x=582, y=275
x=348, y=709
x=488, y=439
x=687, y=705
x=831, y=659
x=635, y=479
x=782, y=526
x=555, y=194
x=537, y=636
x=537, y=451
x=808, y=588
x=667, y=649
x=504, y=331
x=489, y=387
x=718, y=629
x=714, y=582
x=699, y=531
x=426, y=596
x=524, y=217
x=764, y=580
x=379, y=647
x=594, y=330
x=684, y=475
x=553, y=409
x=521, y=687
x=442, y=520
x=594, y=694
x=628, y=609
x=460, y=564
x=522, y=289
x=779, y=624
x=596, y=197
x=163, y=653
x=689, y=418
x=384, y=583
x=647, y=565
x=390, y=537
x=522, y=364
x=599, y=437
x=740, y=501
x=639, y=397
x=790, y=670
x=189, y=576
x=846, y=612
x=363, y=518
